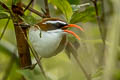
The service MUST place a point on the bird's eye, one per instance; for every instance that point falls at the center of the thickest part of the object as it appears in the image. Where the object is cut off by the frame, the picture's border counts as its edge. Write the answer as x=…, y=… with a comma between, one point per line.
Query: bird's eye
x=60, y=25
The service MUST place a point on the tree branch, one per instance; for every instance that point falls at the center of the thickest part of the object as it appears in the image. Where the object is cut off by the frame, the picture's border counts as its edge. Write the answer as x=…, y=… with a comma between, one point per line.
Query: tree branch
x=23, y=48
x=32, y=5
x=99, y=20
x=47, y=8
x=28, y=5
x=34, y=11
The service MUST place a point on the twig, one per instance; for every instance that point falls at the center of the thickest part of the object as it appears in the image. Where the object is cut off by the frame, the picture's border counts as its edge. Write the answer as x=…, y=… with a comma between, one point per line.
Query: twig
x=4, y=6
x=43, y=10
x=103, y=11
x=101, y=28
x=72, y=50
x=33, y=3
x=5, y=28
x=34, y=11
x=47, y=8
x=103, y=17
x=35, y=54
x=99, y=20
x=28, y=5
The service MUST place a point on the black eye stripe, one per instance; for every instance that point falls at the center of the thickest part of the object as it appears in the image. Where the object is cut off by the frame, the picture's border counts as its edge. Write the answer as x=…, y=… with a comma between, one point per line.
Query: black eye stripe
x=52, y=25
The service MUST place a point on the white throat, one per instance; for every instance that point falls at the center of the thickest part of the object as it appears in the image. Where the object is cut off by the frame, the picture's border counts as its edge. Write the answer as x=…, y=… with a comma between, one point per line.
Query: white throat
x=47, y=43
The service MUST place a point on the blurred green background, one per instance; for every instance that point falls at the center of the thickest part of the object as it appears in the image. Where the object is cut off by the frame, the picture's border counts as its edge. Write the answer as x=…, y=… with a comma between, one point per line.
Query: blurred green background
x=101, y=61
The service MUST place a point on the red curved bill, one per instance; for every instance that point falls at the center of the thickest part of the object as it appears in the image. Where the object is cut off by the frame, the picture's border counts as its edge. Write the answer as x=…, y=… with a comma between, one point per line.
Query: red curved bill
x=71, y=32
x=73, y=25
x=74, y=34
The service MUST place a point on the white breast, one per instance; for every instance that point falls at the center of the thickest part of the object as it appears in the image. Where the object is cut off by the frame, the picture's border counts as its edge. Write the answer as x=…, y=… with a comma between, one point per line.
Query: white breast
x=47, y=44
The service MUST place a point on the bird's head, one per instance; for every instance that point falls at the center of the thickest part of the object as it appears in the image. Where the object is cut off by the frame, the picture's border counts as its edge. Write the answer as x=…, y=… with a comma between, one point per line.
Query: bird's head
x=50, y=24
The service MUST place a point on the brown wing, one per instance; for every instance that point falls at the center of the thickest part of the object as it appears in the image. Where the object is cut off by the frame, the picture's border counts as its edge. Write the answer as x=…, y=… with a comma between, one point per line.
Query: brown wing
x=62, y=44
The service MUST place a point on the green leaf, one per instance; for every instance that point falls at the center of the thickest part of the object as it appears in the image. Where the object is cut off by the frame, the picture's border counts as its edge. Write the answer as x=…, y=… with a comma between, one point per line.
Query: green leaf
x=15, y=1
x=13, y=72
x=7, y=47
x=74, y=1
x=32, y=74
x=30, y=19
x=85, y=16
x=7, y=2
x=3, y=15
x=64, y=6
x=1, y=9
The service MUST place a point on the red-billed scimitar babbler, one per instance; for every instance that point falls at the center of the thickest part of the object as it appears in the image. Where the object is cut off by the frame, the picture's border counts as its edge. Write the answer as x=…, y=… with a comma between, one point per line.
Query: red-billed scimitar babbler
x=49, y=36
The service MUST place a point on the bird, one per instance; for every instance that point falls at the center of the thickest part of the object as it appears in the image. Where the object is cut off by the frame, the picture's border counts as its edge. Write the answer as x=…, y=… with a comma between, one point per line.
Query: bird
x=49, y=36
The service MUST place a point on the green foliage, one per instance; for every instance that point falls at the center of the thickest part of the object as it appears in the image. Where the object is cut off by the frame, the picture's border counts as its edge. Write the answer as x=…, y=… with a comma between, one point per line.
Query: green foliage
x=32, y=74
x=3, y=15
x=15, y=1
x=30, y=19
x=14, y=72
x=1, y=9
x=7, y=2
x=64, y=6
x=5, y=49
x=74, y=1
x=88, y=15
